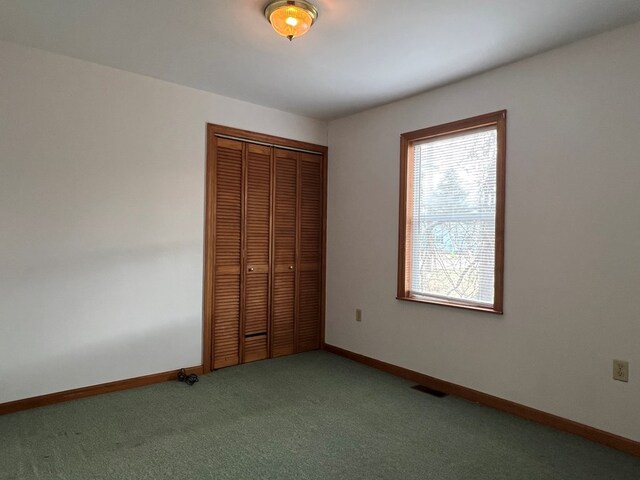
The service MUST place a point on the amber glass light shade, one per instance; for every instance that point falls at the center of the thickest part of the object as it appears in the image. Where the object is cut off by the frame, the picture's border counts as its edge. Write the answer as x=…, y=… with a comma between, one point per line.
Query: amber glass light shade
x=291, y=19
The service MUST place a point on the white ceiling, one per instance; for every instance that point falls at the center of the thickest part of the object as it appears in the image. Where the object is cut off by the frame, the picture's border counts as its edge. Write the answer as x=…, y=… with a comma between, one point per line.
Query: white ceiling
x=359, y=54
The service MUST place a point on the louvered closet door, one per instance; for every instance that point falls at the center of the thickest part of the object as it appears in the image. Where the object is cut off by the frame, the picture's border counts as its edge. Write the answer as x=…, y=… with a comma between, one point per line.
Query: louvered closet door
x=310, y=259
x=257, y=238
x=284, y=248
x=227, y=246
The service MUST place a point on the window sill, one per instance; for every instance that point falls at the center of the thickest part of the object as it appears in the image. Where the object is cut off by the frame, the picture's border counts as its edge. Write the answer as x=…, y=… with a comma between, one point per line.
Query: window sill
x=446, y=303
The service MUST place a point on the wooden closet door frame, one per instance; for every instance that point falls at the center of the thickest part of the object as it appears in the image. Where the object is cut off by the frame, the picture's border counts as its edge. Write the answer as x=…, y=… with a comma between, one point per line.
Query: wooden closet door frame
x=209, y=223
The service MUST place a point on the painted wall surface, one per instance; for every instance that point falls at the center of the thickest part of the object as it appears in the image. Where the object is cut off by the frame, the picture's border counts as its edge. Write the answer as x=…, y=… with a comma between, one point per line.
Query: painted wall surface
x=572, y=278
x=101, y=219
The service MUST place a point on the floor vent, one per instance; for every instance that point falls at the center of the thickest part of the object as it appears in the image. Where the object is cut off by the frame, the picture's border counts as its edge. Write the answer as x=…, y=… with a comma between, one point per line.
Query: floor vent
x=430, y=391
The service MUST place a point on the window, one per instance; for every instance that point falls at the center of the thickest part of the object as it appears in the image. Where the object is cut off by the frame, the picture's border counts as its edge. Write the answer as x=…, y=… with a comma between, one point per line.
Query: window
x=451, y=239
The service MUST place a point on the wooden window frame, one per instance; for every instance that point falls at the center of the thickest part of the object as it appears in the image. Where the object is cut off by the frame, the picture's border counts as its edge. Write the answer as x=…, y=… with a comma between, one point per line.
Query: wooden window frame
x=407, y=140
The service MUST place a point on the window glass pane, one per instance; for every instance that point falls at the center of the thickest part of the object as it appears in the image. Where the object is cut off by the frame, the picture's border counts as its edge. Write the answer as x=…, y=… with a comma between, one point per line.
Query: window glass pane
x=454, y=216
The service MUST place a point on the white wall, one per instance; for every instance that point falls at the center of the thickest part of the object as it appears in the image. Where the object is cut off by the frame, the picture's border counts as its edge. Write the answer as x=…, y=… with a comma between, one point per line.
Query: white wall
x=101, y=219
x=572, y=279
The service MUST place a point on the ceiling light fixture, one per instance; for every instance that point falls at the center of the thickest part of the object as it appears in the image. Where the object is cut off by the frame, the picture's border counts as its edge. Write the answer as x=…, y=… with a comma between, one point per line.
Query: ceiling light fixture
x=291, y=18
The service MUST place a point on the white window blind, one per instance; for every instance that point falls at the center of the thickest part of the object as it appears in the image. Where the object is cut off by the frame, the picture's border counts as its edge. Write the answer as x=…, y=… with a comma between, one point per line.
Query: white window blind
x=454, y=217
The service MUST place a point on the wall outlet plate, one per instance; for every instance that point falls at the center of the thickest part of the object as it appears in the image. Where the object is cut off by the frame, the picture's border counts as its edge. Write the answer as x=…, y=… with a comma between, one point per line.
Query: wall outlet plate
x=621, y=370
x=358, y=315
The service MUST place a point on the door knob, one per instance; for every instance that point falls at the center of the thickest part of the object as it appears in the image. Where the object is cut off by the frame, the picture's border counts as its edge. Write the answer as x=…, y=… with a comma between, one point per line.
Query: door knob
x=290, y=267
x=251, y=269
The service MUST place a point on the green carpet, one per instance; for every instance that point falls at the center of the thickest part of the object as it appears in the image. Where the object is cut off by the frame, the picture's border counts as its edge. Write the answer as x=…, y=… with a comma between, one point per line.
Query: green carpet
x=309, y=416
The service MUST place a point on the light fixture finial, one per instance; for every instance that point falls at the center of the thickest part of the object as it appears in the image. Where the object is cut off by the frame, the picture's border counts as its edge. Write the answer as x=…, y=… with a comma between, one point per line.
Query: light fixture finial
x=291, y=18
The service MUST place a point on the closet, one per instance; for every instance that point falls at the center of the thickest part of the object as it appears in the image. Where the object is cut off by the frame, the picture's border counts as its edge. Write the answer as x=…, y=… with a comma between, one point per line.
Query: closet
x=264, y=247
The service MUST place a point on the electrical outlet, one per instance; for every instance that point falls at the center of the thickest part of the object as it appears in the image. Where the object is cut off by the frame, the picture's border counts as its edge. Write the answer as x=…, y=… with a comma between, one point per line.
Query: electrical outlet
x=621, y=370
x=358, y=315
